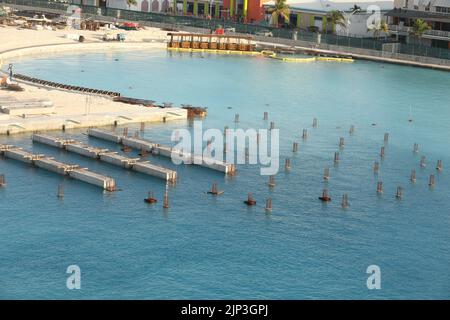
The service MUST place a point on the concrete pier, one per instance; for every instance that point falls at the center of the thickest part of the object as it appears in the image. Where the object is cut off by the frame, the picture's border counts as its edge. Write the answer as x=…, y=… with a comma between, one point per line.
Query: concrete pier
x=118, y=160
x=105, y=135
x=163, y=151
x=107, y=156
x=50, y=140
x=156, y=171
x=49, y=164
x=83, y=150
x=156, y=148
x=93, y=178
x=15, y=153
x=28, y=110
x=139, y=144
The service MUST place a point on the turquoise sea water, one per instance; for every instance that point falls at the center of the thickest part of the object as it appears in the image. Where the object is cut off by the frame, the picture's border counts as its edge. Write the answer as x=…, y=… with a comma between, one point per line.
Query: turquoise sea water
x=204, y=247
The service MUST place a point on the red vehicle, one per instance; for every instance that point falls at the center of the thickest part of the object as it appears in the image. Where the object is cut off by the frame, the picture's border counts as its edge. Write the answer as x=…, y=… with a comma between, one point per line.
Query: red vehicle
x=129, y=26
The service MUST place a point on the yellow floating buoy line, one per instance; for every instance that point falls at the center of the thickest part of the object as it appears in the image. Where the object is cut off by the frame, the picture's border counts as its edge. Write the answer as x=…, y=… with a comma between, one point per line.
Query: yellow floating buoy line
x=230, y=44
x=334, y=59
x=285, y=59
x=273, y=55
x=265, y=53
x=268, y=53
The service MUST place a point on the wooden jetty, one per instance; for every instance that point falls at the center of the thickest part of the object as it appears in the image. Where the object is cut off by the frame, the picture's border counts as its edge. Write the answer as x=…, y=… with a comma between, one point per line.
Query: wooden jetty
x=215, y=42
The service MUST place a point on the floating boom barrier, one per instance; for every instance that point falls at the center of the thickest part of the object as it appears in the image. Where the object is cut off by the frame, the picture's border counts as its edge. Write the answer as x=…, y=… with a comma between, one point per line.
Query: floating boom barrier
x=273, y=55
x=107, y=156
x=49, y=164
x=66, y=86
x=166, y=151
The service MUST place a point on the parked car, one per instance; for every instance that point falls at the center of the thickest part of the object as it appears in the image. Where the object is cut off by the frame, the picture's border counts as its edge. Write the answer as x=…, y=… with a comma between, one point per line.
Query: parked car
x=264, y=33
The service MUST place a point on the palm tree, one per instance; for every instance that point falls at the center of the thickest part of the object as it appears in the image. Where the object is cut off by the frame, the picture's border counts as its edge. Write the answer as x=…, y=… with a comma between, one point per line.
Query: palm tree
x=337, y=19
x=280, y=9
x=419, y=28
x=382, y=26
x=131, y=3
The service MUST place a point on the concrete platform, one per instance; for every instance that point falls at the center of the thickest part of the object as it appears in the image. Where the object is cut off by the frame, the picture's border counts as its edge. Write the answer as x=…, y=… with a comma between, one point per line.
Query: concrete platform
x=50, y=164
x=155, y=148
x=50, y=140
x=93, y=178
x=12, y=101
x=118, y=160
x=17, y=124
x=104, y=135
x=156, y=171
x=138, y=144
x=105, y=155
x=20, y=155
x=27, y=110
x=83, y=150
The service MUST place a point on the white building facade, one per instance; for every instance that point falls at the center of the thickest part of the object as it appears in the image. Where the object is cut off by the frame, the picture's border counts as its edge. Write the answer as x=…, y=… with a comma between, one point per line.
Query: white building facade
x=312, y=15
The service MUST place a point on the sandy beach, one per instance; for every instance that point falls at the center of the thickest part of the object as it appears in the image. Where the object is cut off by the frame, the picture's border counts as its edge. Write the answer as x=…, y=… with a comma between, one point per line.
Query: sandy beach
x=72, y=109
x=13, y=38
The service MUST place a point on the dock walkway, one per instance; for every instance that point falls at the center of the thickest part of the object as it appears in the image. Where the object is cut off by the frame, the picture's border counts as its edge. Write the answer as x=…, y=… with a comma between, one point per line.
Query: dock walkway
x=107, y=156
x=165, y=151
x=50, y=164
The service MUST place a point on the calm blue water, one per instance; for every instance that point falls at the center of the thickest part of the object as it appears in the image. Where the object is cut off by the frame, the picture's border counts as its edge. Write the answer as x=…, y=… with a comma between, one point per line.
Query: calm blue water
x=205, y=247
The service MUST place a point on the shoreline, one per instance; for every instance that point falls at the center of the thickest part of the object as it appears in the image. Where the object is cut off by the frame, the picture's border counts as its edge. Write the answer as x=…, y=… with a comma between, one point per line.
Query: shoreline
x=71, y=107
x=358, y=56
x=356, y=53
x=74, y=109
x=57, y=48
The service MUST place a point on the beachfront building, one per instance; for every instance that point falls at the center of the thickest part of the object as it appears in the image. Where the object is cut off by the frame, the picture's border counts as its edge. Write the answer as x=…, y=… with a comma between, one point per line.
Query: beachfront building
x=312, y=15
x=97, y=3
x=436, y=13
x=202, y=8
x=250, y=11
x=141, y=5
x=238, y=10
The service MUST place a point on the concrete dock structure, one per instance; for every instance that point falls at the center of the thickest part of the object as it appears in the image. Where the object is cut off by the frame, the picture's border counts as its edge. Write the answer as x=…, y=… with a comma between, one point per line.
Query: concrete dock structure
x=50, y=164
x=93, y=178
x=12, y=152
x=49, y=140
x=14, y=107
x=107, y=156
x=105, y=135
x=117, y=159
x=139, y=144
x=83, y=150
x=166, y=151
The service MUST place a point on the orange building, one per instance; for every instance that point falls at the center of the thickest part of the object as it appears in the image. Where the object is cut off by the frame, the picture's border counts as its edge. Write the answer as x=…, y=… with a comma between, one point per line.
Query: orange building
x=250, y=10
